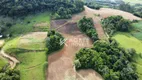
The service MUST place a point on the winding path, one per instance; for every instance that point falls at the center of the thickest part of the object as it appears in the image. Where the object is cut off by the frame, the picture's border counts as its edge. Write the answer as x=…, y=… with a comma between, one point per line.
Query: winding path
x=12, y=60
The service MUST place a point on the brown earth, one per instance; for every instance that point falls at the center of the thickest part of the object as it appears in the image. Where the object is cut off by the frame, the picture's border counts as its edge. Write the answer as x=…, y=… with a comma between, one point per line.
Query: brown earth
x=106, y=12
x=61, y=63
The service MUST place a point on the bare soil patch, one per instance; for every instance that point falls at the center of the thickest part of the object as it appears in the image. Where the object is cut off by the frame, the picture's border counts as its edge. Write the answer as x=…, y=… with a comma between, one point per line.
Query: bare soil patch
x=88, y=75
x=33, y=40
x=106, y=12
x=61, y=63
x=41, y=24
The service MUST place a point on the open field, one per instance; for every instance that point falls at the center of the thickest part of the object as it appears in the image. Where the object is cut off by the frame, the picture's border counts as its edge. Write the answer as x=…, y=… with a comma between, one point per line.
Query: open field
x=32, y=56
x=37, y=22
x=106, y=12
x=61, y=63
x=137, y=30
x=133, y=1
x=32, y=65
x=127, y=41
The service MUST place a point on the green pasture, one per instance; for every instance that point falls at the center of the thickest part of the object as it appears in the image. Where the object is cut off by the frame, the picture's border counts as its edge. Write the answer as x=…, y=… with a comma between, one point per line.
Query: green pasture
x=128, y=41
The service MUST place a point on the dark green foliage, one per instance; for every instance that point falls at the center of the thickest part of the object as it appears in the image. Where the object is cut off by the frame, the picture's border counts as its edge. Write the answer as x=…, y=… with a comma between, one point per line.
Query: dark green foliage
x=86, y=25
x=23, y=7
x=4, y=26
x=9, y=75
x=93, y=6
x=139, y=14
x=126, y=7
x=111, y=61
x=116, y=23
x=55, y=41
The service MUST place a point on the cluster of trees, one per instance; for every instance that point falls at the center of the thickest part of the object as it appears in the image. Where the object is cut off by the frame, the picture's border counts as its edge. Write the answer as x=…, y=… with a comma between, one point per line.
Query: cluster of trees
x=116, y=23
x=9, y=75
x=55, y=41
x=3, y=27
x=126, y=7
x=93, y=6
x=109, y=60
x=135, y=9
x=62, y=8
x=86, y=25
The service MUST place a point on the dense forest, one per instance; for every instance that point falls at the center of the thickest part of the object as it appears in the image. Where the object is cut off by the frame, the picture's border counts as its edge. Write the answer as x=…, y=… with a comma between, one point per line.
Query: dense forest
x=108, y=59
x=62, y=8
x=86, y=25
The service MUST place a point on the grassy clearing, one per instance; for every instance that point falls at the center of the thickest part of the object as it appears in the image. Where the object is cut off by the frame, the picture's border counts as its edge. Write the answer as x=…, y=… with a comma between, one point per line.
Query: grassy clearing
x=26, y=25
x=137, y=30
x=127, y=41
x=32, y=65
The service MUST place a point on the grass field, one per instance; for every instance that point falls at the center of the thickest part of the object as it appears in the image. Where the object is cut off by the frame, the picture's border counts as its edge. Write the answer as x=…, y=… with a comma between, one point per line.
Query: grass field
x=137, y=30
x=26, y=25
x=32, y=65
x=133, y=1
x=3, y=62
x=29, y=47
x=127, y=41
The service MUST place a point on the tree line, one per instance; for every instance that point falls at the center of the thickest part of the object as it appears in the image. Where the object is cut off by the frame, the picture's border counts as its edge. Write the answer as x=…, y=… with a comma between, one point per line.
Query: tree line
x=61, y=8
x=109, y=60
x=86, y=25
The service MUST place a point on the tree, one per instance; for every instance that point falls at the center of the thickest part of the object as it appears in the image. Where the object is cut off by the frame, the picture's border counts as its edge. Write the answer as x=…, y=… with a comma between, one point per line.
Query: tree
x=54, y=41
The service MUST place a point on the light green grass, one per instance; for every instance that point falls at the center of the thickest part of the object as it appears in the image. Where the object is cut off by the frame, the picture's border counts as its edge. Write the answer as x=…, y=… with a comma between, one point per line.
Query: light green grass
x=22, y=26
x=32, y=65
x=127, y=41
x=13, y=43
x=3, y=62
x=133, y=1
x=137, y=30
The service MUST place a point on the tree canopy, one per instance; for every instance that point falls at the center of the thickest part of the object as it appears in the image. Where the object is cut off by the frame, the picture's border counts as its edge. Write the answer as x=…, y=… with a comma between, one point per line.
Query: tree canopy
x=116, y=23
x=22, y=7
x=86, y=25
x=54, y=41
x=111, y=61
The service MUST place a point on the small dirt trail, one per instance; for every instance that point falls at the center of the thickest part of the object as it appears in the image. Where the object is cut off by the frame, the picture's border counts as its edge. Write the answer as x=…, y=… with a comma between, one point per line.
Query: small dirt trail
x=97, y=22
x=12, y=60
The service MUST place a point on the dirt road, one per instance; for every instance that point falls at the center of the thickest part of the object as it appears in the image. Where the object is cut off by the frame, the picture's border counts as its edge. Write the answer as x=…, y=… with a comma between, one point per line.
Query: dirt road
x=12, y=60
